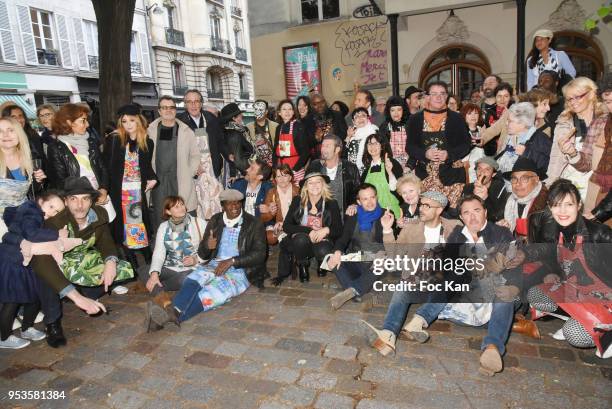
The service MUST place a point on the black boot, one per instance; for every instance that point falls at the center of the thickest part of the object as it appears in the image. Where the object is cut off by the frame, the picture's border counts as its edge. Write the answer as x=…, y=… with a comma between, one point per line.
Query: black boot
x=321, y=273
x=130, y=256
x=55, y=334
x=303, y=272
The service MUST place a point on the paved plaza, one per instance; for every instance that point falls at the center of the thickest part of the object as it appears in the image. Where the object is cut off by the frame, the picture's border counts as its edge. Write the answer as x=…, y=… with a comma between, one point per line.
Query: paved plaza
x=284, y=348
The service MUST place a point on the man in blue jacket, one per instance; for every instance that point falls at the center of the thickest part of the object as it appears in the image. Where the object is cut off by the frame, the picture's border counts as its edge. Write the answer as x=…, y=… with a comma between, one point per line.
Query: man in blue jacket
x=254, y=186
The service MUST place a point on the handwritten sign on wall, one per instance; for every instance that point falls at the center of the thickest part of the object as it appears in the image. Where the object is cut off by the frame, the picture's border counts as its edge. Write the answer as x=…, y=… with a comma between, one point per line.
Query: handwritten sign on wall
x=364, y=46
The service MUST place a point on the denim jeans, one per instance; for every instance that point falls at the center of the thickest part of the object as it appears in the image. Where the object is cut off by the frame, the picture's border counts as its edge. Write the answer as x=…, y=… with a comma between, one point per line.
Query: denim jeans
x=400, y=304
x=187, y=301
x=357, y=275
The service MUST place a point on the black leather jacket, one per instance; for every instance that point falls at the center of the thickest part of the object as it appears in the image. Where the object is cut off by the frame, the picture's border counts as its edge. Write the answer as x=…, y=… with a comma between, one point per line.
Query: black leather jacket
x=252, y=249
x=62, y=163
x=331, y=218
x=603, y=211
x=350, y=179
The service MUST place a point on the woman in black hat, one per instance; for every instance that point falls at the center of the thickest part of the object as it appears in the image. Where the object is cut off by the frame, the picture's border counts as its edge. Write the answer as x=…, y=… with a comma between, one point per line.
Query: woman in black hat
x=127, y=156
x=395, y=131
x=237, y=149
x=312, y=224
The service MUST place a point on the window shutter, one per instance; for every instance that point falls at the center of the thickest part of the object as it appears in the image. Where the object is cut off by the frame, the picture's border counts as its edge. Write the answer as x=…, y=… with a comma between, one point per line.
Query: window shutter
x=146, y=58
x=64, y=41
x=27, y=38
x=79, y=38
x=6, y=38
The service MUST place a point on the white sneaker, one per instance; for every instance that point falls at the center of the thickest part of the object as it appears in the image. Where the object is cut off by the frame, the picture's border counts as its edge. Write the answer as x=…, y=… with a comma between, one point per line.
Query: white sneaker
x=16, y=324
x=39, y=317
x=558, y=335
x=120, y=290
x=33, y=334
x=13, y=342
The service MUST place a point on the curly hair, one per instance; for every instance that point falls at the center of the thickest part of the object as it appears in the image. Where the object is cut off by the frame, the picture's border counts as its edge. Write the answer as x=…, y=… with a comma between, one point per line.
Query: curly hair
x=68, y=112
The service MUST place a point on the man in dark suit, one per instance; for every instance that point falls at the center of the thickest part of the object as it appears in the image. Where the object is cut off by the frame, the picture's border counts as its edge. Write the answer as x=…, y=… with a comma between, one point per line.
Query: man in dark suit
x=196, y=117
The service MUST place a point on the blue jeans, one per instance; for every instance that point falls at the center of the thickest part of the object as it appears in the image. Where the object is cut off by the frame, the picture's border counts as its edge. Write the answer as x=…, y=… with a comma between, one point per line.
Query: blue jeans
x=498, y=328
x=186, y=301
x=357, y=275
x=400, y=303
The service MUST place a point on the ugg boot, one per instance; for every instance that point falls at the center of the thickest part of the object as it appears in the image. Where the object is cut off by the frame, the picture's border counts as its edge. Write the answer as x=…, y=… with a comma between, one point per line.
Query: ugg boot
x=381, y=340
x=490, y=361
x=414, y=329
x=526, y=327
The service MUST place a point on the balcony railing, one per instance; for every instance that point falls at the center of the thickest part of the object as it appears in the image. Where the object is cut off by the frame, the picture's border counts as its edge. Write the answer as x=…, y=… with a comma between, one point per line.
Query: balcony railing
x=136, y=67
x=237, y=11
x=175, y=37
x=47, y=56
x=244, y=95
x=220, y=45
x=180, y=89
x=94, y=62
x=241, y=54
x=214, y=94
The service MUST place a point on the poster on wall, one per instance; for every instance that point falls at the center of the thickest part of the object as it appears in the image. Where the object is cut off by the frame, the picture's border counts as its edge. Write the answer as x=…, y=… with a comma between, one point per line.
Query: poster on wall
x=302, y=70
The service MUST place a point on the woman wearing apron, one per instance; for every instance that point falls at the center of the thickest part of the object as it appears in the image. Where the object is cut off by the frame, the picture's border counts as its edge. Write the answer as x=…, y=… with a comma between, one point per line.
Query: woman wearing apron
x=578, y=251
x=291, y=142
x=382, y=171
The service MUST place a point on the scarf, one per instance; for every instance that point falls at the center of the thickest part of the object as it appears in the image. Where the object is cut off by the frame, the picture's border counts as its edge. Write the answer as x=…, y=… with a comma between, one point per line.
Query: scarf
x=511, y=211
x=435, y=119
x=552, y=62
x=80, y=142
x=366, y=218
x=178, y=226
x=232, y=222
x=235, y=126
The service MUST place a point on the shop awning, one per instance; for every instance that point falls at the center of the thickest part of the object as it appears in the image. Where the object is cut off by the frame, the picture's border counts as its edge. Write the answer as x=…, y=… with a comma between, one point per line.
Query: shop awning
x=19, y=100
x=12, y=80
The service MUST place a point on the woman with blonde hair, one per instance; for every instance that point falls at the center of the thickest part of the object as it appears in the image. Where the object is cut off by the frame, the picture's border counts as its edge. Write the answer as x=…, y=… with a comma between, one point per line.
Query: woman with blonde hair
x=128, y=154
x=409, y=188
x=312, y=224
x=579, y=139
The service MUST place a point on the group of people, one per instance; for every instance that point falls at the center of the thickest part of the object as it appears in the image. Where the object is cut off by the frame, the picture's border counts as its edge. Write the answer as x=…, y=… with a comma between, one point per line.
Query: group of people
x=519, y=181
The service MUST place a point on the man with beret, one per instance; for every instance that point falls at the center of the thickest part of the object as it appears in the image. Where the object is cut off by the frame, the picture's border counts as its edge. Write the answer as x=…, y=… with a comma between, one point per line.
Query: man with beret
x=424, y=237
x=234, y=247
x=490, y=187
x=414, y=99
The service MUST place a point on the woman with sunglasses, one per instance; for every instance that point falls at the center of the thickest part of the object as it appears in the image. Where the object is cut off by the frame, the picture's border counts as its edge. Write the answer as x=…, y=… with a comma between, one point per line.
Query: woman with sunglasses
x=578, y=138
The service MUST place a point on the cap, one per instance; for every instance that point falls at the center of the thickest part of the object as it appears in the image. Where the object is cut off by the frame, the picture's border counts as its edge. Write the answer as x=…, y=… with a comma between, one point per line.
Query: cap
x=436, y=196
x=231, y=195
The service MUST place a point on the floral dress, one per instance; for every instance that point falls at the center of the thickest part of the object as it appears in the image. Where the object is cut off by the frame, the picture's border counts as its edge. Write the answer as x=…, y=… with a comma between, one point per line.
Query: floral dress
x=134, y=230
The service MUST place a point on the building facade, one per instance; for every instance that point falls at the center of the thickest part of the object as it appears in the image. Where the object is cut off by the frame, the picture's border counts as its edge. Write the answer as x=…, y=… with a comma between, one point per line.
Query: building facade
x=203, y=44
x=50, y=53
x=457, y=41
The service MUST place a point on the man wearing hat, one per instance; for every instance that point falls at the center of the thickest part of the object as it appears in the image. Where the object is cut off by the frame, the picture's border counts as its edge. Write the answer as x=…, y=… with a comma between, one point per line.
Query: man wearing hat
x=528, y=195
x=542, y=57
x=237, y=149
x=414, y=99
x=424, y=237
x=490, y=187
x=176, y=159
x=234, y=247
x=89, y=222
x=203, y=123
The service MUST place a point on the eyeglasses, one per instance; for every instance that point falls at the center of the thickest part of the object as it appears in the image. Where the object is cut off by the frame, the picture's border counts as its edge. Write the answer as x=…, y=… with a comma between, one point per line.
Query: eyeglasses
x=577, y=98
x=428, y=206
x=47, y=115
x=168, y=108
x=82, y=120
x=437, y=94
x=523, y=179
x=360, y=116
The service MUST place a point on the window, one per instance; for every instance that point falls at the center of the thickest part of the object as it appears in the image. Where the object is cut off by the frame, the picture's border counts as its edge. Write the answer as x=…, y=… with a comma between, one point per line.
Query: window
x=462, y=67
x=135, y=65
x=238, y=34
x=315, y=10
x=583, y=51
x=178, y=78
x=43, y=37
x=91, y=43
x=214, y=85
x=215, y=22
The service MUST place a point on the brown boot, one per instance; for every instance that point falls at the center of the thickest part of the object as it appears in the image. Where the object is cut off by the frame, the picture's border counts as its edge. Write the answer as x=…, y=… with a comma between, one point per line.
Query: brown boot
x=526, y=327
x=162, y=299
x=490, y=361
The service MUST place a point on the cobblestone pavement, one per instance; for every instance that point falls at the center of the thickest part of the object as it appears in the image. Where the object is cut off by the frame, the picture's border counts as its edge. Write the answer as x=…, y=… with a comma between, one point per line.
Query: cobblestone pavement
x=284, y=348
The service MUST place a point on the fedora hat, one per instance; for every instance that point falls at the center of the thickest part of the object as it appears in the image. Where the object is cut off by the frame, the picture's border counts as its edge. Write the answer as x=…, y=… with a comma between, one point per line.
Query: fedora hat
x=79, y=186
x=313, y=174
x=523, y=164
x=229, y=111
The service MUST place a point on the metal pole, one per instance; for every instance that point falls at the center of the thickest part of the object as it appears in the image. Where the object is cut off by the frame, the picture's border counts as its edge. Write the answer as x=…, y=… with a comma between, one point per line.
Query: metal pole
x=520, y=45
x=394, y=54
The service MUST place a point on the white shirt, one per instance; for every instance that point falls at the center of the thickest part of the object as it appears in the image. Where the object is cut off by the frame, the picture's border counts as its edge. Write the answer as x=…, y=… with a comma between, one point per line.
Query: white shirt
x=433, y=236
x=197, y=120
x=251, y=198
x=331, y=172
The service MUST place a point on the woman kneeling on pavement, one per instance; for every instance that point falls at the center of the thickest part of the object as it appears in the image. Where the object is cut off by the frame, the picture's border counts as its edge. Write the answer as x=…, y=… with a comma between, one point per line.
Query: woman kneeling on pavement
x=234, y=245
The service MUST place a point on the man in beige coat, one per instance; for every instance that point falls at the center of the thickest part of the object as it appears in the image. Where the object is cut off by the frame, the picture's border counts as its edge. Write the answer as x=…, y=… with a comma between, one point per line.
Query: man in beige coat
x=175, y=159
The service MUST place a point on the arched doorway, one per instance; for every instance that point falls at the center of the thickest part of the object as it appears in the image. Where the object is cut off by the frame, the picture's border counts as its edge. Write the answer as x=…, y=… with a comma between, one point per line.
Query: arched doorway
x=583, y=51
x=462, y=67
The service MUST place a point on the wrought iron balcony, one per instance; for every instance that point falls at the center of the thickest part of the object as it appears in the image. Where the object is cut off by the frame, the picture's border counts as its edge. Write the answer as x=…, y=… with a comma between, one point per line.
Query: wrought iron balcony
x=215, y=94
x=175, y=37
x=180, y=89
x=94, y=62
x=220, y=45
x=237, y=11
x=244, y=95
x=241, y=54
x=135, y=67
